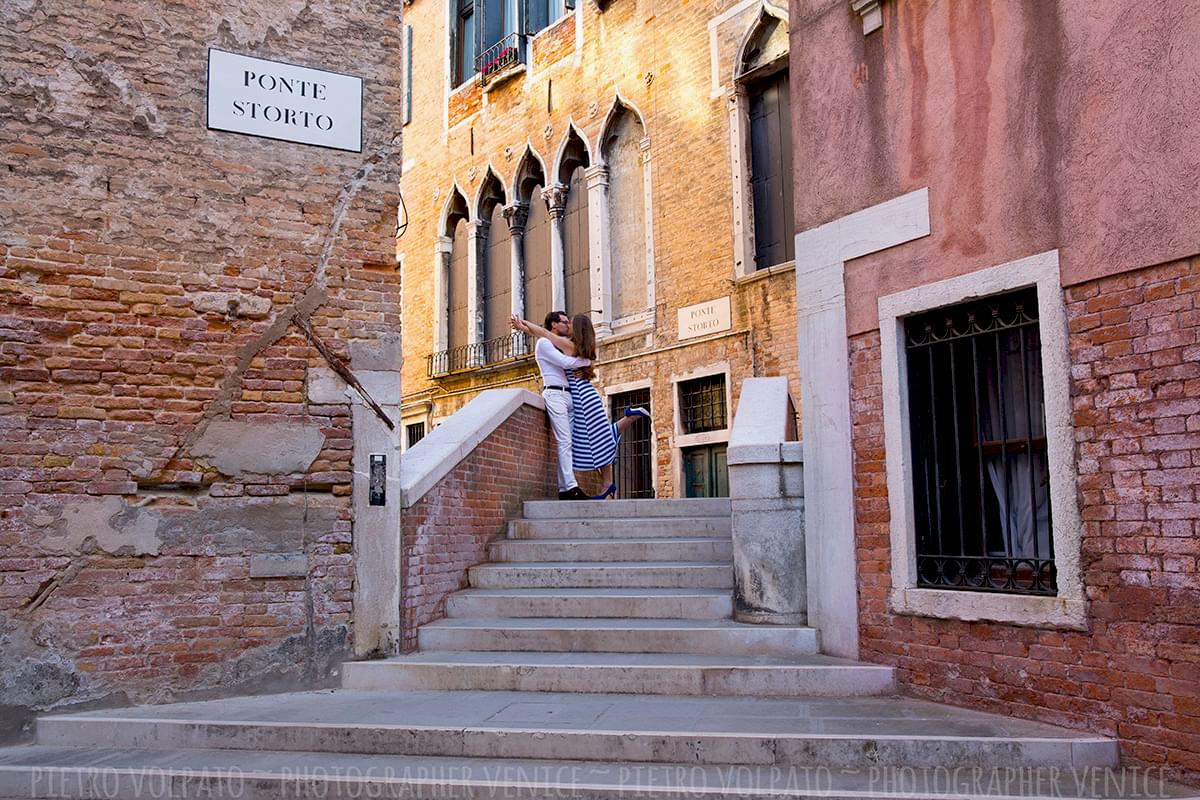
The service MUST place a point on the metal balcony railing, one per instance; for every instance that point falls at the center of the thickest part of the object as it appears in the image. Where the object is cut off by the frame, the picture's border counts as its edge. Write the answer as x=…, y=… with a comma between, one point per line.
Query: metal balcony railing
x=481, y=354
x=503, y=54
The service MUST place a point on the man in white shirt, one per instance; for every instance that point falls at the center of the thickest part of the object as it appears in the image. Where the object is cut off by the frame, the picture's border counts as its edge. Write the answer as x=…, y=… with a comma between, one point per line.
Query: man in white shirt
x=553, y=365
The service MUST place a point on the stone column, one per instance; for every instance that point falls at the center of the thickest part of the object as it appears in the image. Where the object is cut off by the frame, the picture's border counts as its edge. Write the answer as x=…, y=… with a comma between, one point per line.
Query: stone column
x=556, y=202
x=516, y=215
x=766, y=489
x=441, y=289
x=477, y=239
x=600, y=269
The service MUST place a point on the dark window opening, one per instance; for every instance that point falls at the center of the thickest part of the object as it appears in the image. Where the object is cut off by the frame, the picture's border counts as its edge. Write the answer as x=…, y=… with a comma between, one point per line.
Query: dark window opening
x=771, y=170
x=414, y=432
x=634, y=469
x=702, y=402
x=981, y=484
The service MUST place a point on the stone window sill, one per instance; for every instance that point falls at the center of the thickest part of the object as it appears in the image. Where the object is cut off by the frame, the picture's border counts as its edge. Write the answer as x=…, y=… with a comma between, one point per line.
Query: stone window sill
x=766, y=272
x=500, y=77
x=1042, y=612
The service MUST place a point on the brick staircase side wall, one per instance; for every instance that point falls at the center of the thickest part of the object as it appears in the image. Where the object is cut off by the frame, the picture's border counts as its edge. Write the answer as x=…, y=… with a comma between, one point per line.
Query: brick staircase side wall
x=448, y=530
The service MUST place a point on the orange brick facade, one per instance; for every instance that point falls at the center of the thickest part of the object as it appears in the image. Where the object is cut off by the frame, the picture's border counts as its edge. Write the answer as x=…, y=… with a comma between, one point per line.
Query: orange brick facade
x=1134, y=342
x=658, y=62
x=156, y=280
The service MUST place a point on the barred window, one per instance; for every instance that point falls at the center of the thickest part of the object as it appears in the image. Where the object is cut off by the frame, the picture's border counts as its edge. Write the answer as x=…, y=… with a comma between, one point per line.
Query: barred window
x=981, y=485
x=414, y=432
x=702, y=404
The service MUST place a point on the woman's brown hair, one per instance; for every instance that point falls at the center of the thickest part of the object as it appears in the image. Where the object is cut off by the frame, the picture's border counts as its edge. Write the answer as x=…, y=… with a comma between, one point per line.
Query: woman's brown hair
x=584, y=337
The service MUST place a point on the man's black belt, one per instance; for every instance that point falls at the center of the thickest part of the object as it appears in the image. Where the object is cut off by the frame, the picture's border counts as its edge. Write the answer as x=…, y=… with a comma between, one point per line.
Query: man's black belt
x=557, y=388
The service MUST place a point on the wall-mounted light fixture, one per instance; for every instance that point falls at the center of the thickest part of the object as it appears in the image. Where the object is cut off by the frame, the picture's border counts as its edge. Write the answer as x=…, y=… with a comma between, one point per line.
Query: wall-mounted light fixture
x=871, y=13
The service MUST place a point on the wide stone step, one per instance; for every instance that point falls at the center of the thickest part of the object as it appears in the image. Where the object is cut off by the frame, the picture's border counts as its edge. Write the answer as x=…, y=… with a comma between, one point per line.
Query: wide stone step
x=609, y=528
x=841, y=733
x=634, y=673
x=714, y=637
x=549, y=575
x=628, y=509
x=87, y=774
x=591, y=603
x=680, y=549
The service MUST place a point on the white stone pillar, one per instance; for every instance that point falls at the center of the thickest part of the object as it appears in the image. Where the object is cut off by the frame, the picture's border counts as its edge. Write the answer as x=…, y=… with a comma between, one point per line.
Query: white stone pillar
x=600, y=268
x=477, y=238
x=648, y=216
x=441, y=292
x=556, y=202
x=516, y=215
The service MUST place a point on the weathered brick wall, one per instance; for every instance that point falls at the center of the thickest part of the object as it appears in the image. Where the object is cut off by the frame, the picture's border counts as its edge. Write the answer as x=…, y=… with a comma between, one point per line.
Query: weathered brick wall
x=1135, y=353
x=157, y=435
x=448, y=530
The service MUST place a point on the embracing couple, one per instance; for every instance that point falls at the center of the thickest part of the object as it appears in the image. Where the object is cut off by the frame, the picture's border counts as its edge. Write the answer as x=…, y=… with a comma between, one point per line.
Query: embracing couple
x=586, y=439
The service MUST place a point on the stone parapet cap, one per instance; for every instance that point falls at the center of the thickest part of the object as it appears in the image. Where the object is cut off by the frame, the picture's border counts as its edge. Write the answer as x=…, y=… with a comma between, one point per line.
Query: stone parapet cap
x=778, y=453
x=766, y=418
x=431, y=459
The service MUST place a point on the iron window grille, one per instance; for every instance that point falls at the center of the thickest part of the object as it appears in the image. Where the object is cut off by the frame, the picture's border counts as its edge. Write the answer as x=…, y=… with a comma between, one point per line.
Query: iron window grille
x=503, y=54
x=634, y=466
x=981, y=484
x=415, y=432
x=702, y=404
x=481, y=354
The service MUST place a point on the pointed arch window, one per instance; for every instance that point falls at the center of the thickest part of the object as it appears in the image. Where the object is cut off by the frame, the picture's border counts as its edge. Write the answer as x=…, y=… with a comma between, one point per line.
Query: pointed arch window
x=536, y=281
x=576, y=245
x=622, y=148
x=763, y=189
x=495, y=249
x=457, y=284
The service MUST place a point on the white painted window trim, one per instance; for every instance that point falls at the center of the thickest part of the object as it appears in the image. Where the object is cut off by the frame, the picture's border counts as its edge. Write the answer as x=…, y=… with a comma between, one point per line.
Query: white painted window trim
x=681, y=440
x=1069, y=608
x=739, y=147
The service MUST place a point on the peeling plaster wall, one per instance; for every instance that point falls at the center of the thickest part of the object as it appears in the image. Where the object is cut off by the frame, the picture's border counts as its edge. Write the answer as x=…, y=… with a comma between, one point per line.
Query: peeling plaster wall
x=175, y=510
x=1061, y=124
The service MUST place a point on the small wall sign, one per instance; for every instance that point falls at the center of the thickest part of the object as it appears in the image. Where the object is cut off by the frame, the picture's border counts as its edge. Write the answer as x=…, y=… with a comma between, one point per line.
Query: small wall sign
x=705, y=318
x=284, y=101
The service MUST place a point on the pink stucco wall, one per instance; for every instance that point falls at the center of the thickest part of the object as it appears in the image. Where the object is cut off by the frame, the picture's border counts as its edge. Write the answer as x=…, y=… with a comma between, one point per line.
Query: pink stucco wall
x=1059, y=123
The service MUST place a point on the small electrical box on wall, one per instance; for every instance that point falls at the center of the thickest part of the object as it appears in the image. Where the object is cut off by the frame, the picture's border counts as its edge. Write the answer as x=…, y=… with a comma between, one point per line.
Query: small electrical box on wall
x=377, y=493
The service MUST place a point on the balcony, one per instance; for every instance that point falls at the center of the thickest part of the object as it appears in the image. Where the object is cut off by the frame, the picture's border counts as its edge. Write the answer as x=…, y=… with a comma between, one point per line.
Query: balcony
x=482, y=354
x=501, y=58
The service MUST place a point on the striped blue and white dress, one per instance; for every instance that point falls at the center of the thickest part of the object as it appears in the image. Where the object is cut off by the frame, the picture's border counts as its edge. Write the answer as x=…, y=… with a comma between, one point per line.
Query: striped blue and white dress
x=593, y=437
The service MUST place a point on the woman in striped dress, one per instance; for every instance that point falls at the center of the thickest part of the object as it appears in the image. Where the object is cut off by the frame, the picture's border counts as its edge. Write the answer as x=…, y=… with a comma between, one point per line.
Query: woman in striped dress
x=593, y=437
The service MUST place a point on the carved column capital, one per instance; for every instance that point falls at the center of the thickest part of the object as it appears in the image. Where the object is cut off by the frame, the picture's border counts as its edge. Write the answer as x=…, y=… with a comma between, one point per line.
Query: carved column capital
x=516, y=215
x=596, y=175
x=556, y=200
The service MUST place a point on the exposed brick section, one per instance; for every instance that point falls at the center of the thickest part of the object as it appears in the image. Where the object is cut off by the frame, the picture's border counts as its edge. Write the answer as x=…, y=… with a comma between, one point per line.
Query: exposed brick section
x=149, y=269
x=448, y=530
x=554, y=43
x=1135, y=353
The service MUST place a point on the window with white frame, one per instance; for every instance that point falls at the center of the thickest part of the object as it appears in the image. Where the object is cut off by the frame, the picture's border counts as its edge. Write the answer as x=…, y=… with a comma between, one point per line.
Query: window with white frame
x=981, y=474
x=762, y=138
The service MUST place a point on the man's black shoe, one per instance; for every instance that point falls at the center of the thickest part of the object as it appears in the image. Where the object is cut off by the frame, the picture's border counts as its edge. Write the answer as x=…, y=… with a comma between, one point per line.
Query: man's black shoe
x=574, y=493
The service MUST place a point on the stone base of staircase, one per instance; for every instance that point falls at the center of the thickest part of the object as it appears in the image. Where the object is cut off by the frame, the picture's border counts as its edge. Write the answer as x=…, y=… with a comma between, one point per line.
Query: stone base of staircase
x=344, y=743
x=594, y=658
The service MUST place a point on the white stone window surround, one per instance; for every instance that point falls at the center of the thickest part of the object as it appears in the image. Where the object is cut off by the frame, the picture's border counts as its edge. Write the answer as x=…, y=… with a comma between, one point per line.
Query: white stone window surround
x=630, y=386
x=739, y=144
x=1069, y=608
x=680, y=440
x=599, y=231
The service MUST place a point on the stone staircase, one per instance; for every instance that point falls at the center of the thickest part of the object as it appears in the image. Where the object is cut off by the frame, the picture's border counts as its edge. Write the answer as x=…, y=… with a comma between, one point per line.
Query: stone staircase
x=594, y=657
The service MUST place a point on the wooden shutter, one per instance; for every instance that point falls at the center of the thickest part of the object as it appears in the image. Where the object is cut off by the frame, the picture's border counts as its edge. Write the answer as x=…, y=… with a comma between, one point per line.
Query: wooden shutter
x=457, y=289
x=771, y=171
x=497, y=278
x=575, y=246
x=538, y=285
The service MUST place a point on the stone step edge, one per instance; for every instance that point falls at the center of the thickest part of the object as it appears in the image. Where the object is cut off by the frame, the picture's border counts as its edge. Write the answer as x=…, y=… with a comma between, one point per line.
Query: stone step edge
x=680, y=747
x=352, y=778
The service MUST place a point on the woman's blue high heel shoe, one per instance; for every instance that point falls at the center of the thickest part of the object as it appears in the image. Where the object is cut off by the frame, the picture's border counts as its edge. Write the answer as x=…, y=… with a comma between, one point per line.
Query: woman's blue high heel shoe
x=637, y=412
x=611, y=491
